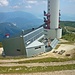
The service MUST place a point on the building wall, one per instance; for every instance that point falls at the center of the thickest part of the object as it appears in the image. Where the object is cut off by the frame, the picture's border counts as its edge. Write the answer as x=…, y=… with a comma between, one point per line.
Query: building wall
x=54, y=43
x=14, y=46
x=59, y=33
x=35, y=50
x=53, y=33
x=50, y=33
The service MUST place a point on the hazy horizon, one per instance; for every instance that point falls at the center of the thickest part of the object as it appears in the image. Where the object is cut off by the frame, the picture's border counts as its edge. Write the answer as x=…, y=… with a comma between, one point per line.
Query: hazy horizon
x=36, y=7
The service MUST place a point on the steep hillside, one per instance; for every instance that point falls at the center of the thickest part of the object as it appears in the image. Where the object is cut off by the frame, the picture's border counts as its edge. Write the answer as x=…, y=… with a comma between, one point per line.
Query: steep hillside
x=8, y=28
x=67, y=23
x=68, y=30
x=70, y=24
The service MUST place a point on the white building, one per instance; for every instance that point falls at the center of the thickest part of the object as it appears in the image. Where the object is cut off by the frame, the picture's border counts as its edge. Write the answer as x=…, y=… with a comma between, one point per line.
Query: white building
x=40, y=40
x=27, y=45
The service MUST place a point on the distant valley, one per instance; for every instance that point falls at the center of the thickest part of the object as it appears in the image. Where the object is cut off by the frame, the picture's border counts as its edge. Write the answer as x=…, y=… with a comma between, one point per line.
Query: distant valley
x=13, y=22
x=21, y=19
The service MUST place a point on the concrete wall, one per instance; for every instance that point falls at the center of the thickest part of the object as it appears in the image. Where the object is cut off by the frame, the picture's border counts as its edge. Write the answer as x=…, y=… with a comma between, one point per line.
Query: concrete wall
x=59, y=33
x=50, y=33
x=14, y=46
x=54, y=43
x=35, y=51
x=53, y=33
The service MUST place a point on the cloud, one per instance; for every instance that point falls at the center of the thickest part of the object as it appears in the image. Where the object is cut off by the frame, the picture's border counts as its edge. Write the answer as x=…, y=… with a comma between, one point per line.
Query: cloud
x=36, y=1
x=28, y=6
x=44, y=1
x=32, y=1
x=16, y=7
x=4, y=2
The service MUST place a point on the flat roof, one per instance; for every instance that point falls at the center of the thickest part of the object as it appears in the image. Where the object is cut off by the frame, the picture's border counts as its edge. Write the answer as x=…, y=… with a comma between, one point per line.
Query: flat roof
x=28, y=32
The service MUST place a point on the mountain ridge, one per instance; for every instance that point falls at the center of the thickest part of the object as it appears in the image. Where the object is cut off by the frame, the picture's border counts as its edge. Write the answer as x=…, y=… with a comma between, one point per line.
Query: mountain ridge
x=8, y=28
x=21, y=19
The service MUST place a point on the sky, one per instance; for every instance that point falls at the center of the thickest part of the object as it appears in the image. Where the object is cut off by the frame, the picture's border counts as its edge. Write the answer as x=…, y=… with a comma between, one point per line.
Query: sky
x=37, y=7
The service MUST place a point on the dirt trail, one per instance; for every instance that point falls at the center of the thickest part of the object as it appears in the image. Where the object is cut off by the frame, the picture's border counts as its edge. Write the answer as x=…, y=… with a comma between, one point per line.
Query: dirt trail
x=38, y=64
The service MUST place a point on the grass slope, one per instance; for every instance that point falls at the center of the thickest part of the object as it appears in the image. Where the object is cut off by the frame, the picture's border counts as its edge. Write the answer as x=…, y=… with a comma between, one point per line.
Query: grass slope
x=7, y=70
x=0, y=44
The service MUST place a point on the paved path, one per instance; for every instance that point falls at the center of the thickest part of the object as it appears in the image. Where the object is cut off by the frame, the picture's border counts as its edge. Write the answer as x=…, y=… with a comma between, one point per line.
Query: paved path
x=66, y=72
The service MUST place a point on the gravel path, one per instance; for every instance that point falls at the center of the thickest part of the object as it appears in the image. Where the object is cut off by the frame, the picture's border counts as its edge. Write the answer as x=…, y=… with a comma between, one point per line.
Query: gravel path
x=66, y=72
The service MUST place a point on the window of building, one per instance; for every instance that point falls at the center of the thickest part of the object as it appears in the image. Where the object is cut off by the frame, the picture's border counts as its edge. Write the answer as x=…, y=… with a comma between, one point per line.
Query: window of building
x=38, y=47
x=18, y=50
x=49, y=9
x=48, y=5
x=48, y=1
x=46, y=34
